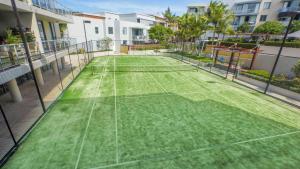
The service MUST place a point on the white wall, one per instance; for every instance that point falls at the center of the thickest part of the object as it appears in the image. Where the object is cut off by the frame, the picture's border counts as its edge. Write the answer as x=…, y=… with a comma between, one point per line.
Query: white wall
x=76, y=29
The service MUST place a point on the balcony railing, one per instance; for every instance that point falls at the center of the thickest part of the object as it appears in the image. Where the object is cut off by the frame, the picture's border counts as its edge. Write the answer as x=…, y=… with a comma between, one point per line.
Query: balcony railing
x=289, y=9
x=58, y=44
x=12, y=55
x=139, y=37
x=52, y=6
x=243, y=12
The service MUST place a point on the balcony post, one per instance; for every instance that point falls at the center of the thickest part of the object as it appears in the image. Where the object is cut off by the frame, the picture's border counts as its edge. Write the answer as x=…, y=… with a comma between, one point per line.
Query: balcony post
x=14, y=90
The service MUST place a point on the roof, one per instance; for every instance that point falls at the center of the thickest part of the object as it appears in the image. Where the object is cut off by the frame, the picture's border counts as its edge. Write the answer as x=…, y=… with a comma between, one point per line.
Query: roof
x=87, y=15
x=197, y=4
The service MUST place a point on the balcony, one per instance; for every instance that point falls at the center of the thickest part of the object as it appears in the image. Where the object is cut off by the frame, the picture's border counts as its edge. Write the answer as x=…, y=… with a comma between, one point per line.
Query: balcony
x=246, y=12
x=52, y=6
x=284, y=12
x=13, y=55
x=139, y=37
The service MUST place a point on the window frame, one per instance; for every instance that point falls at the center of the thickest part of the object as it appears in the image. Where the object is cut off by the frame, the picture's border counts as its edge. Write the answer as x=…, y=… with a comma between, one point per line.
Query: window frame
x=267, y=5
x=110, y=30
x=261, y=18
x=96, y=30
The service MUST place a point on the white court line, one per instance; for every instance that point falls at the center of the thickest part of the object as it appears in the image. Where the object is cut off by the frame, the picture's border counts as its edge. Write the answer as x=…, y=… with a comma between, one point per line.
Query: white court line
x=202, y=149
x=88, y=123
x=157, y=82
x=116, y=113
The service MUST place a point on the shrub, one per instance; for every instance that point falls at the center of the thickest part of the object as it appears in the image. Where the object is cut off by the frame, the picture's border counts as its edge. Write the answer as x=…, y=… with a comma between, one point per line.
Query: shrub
x=243, y=45
x=295, y=44
x=260, y=73
x=296, y=69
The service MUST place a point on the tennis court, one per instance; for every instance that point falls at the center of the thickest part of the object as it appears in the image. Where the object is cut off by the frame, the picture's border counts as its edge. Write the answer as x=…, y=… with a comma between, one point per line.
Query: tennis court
x=157, y=112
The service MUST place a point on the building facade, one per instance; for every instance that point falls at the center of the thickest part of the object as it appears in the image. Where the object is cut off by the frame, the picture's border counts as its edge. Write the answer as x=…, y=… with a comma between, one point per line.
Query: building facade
x=42, y=21
x=257, y=12
x=126, y=29
x=197, y=9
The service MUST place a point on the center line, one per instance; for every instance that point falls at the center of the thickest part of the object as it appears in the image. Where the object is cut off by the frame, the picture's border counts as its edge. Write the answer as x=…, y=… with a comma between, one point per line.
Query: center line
x=89, y=120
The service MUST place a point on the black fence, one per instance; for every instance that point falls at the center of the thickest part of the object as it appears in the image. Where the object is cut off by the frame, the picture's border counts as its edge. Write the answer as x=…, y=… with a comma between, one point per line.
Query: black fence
x=54, y=70
x=20, y=105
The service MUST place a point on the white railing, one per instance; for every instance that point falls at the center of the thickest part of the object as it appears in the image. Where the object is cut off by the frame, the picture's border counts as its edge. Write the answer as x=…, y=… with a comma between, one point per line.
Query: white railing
x=53, y=6
x=58, y=44
x=14, y=54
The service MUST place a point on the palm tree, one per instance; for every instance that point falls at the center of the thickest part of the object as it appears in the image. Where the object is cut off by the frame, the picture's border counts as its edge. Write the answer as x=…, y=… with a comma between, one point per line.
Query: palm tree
x=191, y=27
x=170, y=17
x=220, y=16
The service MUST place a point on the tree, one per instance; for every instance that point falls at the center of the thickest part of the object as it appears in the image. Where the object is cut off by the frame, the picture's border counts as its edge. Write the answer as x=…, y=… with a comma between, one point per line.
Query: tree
x=171, y=17
x=244, y=28
x=219, y=15
x=160, y=33
x=270, y=28
x=295, y=27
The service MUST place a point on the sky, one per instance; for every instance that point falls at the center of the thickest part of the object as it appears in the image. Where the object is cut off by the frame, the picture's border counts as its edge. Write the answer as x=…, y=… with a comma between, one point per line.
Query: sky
x=130, y=6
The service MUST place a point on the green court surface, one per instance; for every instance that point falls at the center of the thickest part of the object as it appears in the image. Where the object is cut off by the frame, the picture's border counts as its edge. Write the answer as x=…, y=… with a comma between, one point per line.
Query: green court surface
x=157, y=112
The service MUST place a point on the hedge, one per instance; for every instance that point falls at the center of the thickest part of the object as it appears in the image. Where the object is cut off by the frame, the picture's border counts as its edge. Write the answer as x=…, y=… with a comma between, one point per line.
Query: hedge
x=295, y=44
x=287, y=44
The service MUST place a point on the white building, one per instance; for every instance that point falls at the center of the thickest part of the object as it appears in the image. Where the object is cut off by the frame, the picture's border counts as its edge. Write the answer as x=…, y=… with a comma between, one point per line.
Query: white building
x=126, y=29
x=95, y=27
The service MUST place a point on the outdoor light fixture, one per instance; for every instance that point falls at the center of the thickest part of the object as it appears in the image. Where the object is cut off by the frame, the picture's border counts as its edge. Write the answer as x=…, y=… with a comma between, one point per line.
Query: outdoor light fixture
x=86, y=43
x=292, y=15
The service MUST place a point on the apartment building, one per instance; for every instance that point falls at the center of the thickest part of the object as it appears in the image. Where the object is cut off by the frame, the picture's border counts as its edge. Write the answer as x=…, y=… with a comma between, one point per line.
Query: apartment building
x=126, y=29
x=41, y=18
x=197, y=9
x=256, y=12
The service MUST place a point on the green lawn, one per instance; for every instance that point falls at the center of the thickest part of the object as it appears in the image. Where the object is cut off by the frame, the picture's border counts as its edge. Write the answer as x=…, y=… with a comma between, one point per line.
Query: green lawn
x=112, y=117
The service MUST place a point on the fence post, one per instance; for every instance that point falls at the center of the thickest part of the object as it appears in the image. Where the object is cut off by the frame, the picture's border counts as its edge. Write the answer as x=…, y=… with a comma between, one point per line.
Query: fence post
x=230, y=63
x=279, y=53
x=62, y=87
x=78, y=57
x=70, y=62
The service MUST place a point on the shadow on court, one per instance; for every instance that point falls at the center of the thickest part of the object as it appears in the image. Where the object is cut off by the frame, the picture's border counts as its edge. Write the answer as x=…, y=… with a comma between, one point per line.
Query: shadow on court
x=155, y=131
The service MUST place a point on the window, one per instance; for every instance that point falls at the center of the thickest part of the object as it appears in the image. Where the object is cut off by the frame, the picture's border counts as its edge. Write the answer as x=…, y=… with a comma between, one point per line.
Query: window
x=287, y=4
x=96, y=30
x=251, y=8
x=124, y=31
x=267, y=5
x=194, y=10
x=263, y=18
x=110, y=30
x=239, y=8
x=124, y=42
x=138, y=20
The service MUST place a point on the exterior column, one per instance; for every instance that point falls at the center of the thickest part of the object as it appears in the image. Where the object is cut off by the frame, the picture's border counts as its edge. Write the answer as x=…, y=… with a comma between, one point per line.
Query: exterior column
x=14, y=91
x=39, y=76
x=54, y=67
x=63, y=62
